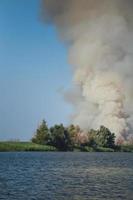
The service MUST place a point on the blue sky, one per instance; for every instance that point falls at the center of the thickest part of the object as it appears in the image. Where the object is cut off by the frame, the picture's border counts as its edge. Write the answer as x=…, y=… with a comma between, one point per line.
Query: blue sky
x=33, y=68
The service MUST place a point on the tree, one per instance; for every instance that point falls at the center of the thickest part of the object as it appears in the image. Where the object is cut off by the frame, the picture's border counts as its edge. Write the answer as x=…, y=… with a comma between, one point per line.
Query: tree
x=92, y=138
x=104, y=138
x=77, y=136
x=59, y=137
x=72, y=131
x=42, y=134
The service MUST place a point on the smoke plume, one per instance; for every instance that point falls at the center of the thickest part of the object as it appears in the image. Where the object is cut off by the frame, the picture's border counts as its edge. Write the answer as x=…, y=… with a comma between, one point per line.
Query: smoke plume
x=99, y=34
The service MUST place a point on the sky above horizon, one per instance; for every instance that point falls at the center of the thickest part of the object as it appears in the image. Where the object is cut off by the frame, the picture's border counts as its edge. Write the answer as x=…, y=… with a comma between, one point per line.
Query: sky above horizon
x=33, y=71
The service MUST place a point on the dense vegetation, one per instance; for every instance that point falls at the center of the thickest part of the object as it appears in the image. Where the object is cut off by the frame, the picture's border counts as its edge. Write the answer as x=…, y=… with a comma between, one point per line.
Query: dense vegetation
x=72, y=138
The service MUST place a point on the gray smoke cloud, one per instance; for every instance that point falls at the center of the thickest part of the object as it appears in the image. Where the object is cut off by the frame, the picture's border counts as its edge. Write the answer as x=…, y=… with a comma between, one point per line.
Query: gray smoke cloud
x=99, y=34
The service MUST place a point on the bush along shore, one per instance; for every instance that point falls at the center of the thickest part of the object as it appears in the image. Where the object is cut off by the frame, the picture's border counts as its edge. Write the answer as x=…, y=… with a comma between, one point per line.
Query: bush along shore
x=71, y=138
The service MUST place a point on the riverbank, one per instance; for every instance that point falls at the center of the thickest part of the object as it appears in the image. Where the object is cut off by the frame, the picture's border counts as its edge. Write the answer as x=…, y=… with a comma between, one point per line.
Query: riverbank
x=24, y=146
x=29, y=146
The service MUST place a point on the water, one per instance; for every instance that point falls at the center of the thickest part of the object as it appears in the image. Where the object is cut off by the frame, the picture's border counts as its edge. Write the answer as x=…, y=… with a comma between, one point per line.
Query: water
x=66, y=176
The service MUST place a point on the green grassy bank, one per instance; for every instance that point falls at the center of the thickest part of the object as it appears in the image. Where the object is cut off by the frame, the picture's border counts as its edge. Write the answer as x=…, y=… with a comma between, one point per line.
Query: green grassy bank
x=29, y=146
x=24, y=146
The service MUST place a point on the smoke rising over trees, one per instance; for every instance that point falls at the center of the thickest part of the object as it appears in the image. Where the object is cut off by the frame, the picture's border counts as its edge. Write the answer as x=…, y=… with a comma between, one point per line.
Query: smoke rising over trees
x=99, y=34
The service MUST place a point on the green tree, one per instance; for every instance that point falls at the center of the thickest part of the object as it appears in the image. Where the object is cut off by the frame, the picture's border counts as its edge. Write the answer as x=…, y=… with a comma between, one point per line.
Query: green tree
x=92, y=138
x=60, y=137
x=42, y=134
x=104, y=138
x=101, y=138
x=72, y=131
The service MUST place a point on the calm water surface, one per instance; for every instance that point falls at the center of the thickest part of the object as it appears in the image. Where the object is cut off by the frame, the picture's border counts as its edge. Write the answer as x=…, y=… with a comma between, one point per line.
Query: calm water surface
x=66, y=176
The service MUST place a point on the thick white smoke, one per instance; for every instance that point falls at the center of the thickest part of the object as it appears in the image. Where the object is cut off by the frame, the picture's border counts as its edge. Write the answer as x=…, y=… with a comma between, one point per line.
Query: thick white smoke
x=100, y=38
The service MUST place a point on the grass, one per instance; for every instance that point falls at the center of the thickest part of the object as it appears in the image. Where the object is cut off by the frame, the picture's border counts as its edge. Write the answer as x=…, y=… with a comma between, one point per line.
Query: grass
x=29, y=146
x=24, y=146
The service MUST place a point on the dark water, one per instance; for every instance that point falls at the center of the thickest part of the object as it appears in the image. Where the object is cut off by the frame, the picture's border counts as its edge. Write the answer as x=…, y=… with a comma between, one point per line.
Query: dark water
x=66, y=176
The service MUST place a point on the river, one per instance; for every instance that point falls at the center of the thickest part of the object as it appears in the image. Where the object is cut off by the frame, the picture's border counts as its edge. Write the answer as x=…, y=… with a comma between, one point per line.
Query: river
x=66, y=176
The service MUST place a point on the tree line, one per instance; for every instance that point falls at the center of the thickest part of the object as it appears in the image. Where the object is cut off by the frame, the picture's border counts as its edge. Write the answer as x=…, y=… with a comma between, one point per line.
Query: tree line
x=72, y=137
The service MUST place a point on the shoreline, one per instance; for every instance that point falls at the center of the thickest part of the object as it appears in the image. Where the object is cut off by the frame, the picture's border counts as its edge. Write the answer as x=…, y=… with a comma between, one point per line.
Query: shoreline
x=15, y=146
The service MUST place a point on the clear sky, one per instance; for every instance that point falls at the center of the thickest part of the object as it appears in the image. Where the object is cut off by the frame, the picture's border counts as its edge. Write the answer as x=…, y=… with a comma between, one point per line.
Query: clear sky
x=33, y=69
